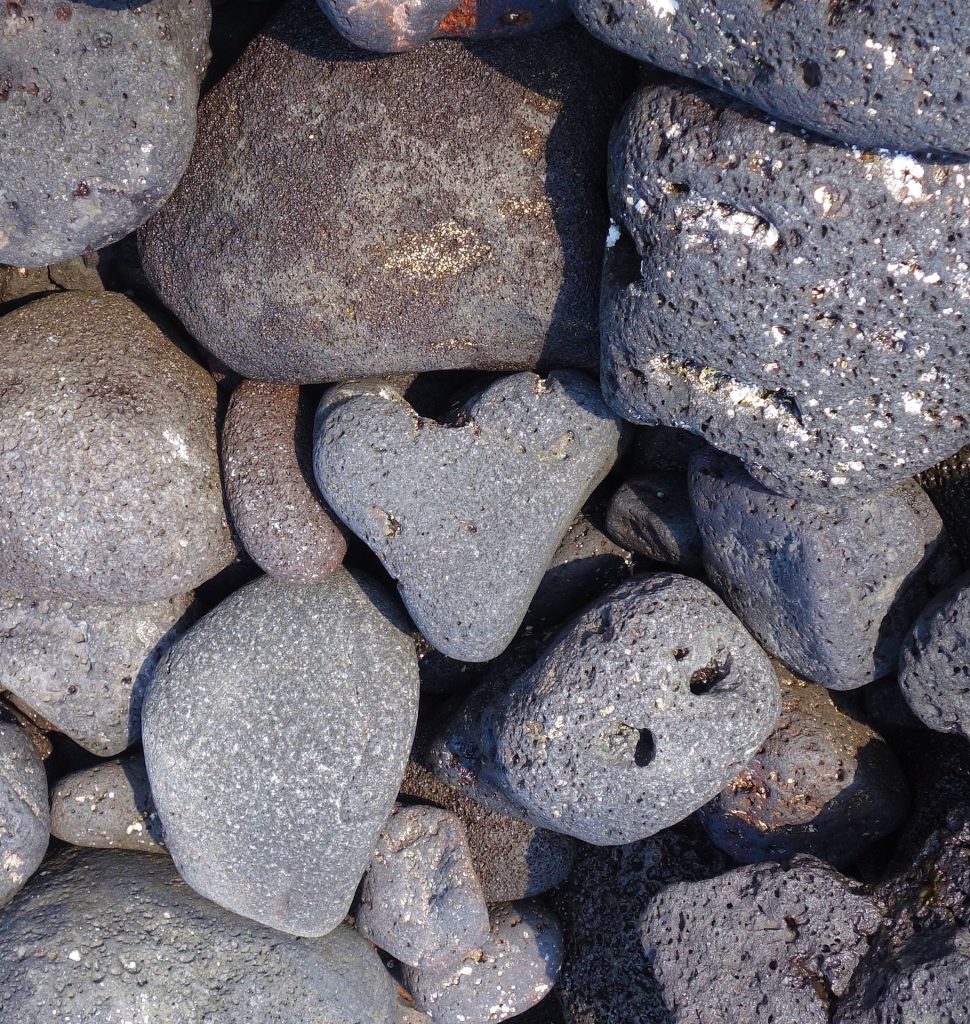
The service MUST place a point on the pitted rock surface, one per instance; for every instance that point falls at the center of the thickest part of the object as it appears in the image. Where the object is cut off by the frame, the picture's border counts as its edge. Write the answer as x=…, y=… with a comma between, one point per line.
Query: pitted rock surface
x=651, y=514
x=24, y=817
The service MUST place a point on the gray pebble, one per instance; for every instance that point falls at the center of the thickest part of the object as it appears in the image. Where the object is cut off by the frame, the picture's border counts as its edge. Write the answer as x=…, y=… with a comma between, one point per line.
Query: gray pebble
x=106, y=935
x=108, y=806
x=276, y=732
x=466, y=516
x=84, y=667
x=97, y=119
x=24, y=819
x=515, y=968
x=829, y=590
x=651, y=514
x=109, y=455
x=421, y=900
x=799, y=304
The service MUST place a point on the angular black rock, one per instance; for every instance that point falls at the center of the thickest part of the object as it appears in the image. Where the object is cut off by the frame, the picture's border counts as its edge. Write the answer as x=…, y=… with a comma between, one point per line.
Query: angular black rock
x=874, y=73
x=829, y=590
x=111, y=936
x=773, y=942
x=24, y=819
x=276, y=732
x=97, y=119
x=800, y=304
x=344, y=216
x=651, y=514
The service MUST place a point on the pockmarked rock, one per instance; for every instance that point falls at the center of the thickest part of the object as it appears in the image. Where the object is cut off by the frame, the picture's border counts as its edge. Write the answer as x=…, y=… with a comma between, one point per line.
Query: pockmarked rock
x=651, y=514
x=799, y=304
x=109, y=471
x=97, y=119
x=443, y=210
x=948, y=485
x=777, y=941
x=515, y=968
x=276, y=733
x=829, y=590
x=107, y=806
x=876, y=75
x=109, y=935
x=267, y=457
x=421, y=900
x=84, y=667
x=466, y=516
x=24, y=818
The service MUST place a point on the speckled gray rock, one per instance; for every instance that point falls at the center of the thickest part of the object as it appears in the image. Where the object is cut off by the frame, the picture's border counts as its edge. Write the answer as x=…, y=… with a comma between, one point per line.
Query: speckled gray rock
x=84, y=667
x=108, y=806
x=421, y=900
x=934, y=666
x=276, y=732
x=874, y=74
x=112, y=936
x=829, y=590
x=267, y=458
x=651, y=514
x=466, y=516
x=802, y=305
x=24, y=816
x=823, y=783
x=778, y=941
x=109, y=473
x=638, y=713
x=97, y=119
x=515, y=968
x=450, y=215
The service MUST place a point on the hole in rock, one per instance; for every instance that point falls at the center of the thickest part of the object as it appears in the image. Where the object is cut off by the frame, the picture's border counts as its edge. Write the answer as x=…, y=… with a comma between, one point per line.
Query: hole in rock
x=646, y=749
x=703, y=680
x=680, y=653
x=811, y=74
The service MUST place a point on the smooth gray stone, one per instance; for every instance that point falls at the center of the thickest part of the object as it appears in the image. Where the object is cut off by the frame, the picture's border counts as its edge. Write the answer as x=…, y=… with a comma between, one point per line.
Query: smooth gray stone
x=24, y=819
x=97, y=119
x=466, y=516
x=112, y=936
x=276, y=733
x=829, y=590
x=651, y=515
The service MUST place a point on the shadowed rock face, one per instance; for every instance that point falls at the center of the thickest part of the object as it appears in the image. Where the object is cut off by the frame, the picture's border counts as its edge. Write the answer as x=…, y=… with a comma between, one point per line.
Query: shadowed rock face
x=350, y=216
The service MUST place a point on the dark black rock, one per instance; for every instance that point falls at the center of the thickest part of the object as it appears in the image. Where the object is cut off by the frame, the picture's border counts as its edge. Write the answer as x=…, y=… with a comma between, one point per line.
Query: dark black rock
x=24, y=819
x=651, y=515
x=948, y=485
x=800, y=304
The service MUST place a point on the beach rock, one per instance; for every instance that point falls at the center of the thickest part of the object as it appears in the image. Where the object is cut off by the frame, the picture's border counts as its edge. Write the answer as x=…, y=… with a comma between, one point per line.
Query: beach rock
x=421, y=900
x=84, y=667
x=110, y=472
x=948, y=485
x=267, y=459
x=777, y=940
x=444, y=210
x=108, y=806
x=515, y=968
x=823, y=783
x=651, y=515
x=18, y=284
x=276, y=732
x=100, y=100
x=113, y=936
x=799, y=304
x=466, y=516
x=24, y=818
x=829, y=590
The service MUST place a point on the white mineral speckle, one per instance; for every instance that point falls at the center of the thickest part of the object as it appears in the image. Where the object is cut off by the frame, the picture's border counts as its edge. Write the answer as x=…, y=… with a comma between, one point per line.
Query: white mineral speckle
x=613, y=235
x=664, y=8
x=74, y=955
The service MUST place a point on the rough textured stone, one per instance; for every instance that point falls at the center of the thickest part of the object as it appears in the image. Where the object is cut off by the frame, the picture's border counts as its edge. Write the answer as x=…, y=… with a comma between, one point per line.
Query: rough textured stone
x=109, y=474
x=18, y=284
x=97, y=120
x=24, y=816
x=443, y=209
x=638, y=713
x=802, y=305
x=829, y=590
x=421, y=900
x=267, y=458
x=948, y=485
x=276, y=733
x=466, y=516
x=515, y=968
x=934, y=667
x=84, y=667
x=652, y=516
x=823, y=783
x=775, y=942
x=108, y=806
x=876, y=74
x=112, y=936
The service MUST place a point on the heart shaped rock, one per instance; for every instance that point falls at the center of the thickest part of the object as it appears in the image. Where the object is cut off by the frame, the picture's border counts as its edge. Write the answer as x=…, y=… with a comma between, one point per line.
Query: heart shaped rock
x=465, y=516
